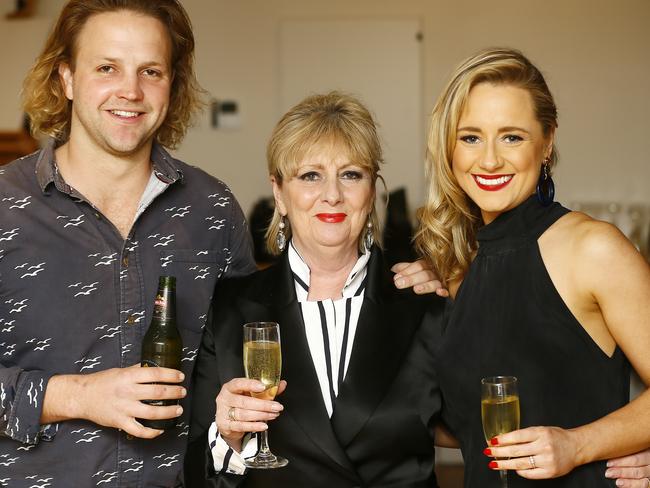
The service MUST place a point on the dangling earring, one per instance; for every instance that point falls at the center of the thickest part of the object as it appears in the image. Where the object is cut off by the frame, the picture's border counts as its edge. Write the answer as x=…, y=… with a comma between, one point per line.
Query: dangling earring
x=281, y=239
x=368, y=239
x=545, y=187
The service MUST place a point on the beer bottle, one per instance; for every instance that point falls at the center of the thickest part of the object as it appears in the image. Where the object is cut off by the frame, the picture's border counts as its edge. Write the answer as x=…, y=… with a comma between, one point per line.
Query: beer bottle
x=162, y=345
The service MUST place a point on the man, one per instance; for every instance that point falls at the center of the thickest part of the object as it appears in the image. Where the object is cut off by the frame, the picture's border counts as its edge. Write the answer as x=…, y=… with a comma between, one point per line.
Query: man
x=86, y=227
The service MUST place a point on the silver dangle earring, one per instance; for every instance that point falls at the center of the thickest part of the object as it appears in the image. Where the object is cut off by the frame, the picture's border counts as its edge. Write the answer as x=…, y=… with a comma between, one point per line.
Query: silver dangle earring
x=368, y=239
x=281, y=239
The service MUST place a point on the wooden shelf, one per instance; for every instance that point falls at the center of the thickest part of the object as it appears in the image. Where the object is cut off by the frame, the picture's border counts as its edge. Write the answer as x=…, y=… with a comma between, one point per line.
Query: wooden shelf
x=15, y=144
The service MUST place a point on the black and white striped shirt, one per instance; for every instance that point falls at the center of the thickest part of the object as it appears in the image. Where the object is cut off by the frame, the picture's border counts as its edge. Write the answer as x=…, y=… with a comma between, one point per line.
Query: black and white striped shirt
x=330, y=328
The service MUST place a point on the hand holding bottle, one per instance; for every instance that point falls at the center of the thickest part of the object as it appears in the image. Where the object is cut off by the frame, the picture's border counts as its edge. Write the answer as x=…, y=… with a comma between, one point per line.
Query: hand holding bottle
x=113, y=398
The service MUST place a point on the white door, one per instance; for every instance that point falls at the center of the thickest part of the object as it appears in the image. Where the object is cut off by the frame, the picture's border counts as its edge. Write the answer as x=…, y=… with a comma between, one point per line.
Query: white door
x=379, y=62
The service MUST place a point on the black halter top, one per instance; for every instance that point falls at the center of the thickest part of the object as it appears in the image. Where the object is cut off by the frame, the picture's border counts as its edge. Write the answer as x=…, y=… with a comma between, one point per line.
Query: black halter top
x=508, y=319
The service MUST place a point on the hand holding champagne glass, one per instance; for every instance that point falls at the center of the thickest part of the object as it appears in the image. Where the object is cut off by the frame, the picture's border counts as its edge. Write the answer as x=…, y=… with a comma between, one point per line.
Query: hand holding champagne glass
x=263, y=362
x=499, y=410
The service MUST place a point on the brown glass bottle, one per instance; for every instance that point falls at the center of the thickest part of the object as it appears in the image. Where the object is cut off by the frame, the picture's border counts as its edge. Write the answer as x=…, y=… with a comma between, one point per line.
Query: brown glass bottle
x=162, y=345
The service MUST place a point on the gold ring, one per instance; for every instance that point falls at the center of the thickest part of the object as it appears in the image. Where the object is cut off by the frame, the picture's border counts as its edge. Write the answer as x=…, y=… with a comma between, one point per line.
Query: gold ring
x=231, y=414
x=648, y=480
x=531, y=460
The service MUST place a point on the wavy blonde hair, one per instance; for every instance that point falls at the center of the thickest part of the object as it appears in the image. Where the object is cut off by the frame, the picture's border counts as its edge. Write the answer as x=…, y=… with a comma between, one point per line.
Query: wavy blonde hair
x=333, y=117
x=43, y=95
x=449, y=220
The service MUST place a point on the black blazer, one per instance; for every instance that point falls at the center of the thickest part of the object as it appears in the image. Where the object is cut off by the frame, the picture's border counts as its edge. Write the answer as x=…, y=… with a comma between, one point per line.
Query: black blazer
x=381, y=432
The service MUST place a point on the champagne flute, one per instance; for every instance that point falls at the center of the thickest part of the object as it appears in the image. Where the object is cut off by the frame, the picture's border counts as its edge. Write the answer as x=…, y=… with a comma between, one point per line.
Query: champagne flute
x=263, y=362
x=499, y=410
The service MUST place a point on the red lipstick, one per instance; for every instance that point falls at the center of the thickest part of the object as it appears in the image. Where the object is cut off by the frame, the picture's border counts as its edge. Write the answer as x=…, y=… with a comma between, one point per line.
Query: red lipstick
x=492, y=182
x=331, y=218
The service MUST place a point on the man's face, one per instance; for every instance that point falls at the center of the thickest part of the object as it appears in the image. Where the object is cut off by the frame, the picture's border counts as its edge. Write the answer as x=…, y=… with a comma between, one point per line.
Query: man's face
x=120, y=85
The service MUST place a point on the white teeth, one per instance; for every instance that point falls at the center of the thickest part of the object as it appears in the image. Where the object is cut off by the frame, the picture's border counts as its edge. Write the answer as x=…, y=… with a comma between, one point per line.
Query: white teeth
x=124, y=113
x=493, y=182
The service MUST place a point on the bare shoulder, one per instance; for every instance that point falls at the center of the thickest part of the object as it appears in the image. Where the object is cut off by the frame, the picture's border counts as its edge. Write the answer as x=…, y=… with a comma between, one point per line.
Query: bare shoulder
x=585, y=238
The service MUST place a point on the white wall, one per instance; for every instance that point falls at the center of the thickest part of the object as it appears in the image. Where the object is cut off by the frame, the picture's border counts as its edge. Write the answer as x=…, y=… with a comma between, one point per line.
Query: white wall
x=593, y=52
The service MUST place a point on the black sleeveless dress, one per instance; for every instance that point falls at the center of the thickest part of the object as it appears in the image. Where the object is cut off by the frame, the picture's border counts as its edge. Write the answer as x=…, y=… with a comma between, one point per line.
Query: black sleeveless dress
x=508, y=319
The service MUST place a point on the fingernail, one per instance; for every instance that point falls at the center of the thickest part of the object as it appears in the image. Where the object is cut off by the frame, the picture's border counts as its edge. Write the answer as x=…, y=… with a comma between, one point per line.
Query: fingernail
x=265, y=427
x=609, y=473
x=619, y=482
x=400, y=283
x=418, y=288
x=494, y=441
x=179, y=411
x=487, y=452
x=181, y=377
x=259, y=387
x=493, y=465
x=277, y=407
x=183, y=392
x=609, y=464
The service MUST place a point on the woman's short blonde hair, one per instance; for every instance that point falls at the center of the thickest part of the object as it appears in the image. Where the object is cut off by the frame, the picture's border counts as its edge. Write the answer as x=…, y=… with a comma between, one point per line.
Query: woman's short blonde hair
x=335, y=118
x=449, y=220
x=44, y=98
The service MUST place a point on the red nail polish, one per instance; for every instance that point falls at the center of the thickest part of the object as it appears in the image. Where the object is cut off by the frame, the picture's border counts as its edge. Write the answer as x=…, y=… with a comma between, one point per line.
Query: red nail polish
x=493, y=465
x=487, y=452
x=494, y=441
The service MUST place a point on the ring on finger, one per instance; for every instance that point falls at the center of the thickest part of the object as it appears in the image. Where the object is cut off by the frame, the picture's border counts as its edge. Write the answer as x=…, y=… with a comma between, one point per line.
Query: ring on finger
x=648, y=480
x=531, y=460
x=231, y=414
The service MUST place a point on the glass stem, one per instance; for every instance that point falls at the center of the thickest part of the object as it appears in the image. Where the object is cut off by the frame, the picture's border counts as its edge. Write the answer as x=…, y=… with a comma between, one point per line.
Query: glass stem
x=503, y=473
x=264, y=451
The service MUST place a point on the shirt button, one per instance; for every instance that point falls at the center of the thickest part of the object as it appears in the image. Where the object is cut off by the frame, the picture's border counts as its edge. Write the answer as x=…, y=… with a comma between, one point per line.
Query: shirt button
x=130, y=320
x=98, y=215
x=129, y=437
x=125, y=261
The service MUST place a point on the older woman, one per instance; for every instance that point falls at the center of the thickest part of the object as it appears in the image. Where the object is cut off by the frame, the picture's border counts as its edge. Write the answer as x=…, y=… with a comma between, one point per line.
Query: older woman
x=553, y=297
x=361, y=393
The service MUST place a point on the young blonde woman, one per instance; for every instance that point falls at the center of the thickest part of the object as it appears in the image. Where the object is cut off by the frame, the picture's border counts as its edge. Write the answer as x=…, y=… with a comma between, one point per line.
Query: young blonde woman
x=553, y=297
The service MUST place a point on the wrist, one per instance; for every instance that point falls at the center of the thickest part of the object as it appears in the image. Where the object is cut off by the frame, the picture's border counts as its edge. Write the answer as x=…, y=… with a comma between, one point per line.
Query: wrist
x=235, y=443
x=581, y=446
x=62, y=399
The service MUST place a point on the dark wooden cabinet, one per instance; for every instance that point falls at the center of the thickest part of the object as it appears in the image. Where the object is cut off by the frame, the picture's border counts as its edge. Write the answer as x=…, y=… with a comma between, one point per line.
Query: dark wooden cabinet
x=15, y=144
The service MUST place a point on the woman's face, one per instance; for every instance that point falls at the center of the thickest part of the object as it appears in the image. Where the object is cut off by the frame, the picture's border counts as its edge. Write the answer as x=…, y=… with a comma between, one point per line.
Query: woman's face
x=327, y=202
x=500, y=147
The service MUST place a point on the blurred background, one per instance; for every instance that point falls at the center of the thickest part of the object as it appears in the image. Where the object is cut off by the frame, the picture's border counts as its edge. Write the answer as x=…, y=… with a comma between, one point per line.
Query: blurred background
x=256, y=58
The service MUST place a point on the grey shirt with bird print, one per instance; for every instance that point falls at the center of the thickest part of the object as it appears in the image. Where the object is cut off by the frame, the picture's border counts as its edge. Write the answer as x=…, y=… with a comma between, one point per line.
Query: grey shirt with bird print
x=76, y=297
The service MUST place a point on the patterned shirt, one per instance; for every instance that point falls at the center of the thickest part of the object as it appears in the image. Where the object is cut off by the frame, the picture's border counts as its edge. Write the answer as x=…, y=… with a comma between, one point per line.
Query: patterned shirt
x=76, y=297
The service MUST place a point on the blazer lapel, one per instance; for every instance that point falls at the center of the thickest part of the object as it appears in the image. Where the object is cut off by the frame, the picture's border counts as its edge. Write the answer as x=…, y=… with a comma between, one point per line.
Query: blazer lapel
x=384, y=331
x=302, y=399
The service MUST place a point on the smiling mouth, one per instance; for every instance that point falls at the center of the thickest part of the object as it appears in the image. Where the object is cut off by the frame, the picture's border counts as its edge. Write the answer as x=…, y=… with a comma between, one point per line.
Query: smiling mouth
x=331, y=218
x=125, y=114
x=492, y=182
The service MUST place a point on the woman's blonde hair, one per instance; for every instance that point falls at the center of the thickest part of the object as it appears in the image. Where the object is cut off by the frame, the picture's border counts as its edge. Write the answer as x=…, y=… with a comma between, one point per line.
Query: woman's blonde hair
x=330, y=118
x=449, y=220
x=44, y=98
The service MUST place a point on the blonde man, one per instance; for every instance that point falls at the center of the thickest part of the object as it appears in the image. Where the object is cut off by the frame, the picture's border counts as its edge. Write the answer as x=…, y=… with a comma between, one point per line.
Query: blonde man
x=88, y=224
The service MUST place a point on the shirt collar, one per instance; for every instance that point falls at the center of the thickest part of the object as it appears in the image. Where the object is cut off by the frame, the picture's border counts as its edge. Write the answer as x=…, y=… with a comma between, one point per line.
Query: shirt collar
x=165, y=167
x=301, y=273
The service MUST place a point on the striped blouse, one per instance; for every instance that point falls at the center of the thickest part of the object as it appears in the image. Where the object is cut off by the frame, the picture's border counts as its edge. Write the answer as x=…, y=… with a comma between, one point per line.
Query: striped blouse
x=330, y=328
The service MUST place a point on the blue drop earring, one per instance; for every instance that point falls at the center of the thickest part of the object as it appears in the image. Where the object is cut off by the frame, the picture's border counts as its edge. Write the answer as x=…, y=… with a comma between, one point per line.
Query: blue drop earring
x=545, y=187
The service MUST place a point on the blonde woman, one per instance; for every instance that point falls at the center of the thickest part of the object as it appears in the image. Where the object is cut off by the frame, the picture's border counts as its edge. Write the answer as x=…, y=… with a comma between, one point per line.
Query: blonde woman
x=553, y=297
x=361, y=395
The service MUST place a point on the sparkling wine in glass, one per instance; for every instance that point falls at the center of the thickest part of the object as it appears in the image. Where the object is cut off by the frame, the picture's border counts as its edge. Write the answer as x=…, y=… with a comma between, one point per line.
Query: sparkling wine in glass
x=263, y=362
x=499, y=410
